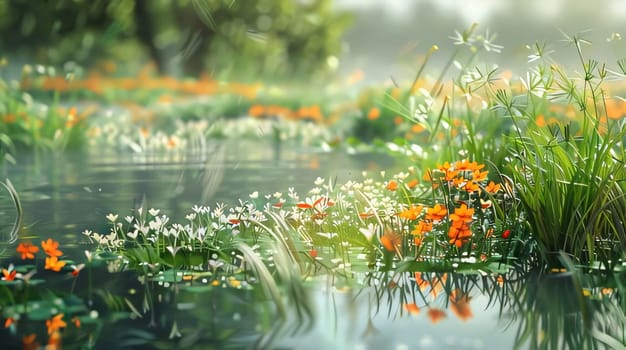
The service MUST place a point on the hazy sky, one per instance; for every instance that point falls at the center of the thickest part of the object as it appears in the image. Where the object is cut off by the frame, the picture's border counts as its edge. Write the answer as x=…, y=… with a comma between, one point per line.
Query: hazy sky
x=384, y=29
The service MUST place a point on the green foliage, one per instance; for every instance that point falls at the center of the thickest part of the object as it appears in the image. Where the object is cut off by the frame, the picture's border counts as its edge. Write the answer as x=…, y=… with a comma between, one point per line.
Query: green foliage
x=230, y=38
x=570, y=175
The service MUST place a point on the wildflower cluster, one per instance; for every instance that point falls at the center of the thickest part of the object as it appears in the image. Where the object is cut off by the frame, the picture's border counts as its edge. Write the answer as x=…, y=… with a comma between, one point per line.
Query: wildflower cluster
x=27, y=251
x=464, y=189
x=17, y=281
x=205, y=243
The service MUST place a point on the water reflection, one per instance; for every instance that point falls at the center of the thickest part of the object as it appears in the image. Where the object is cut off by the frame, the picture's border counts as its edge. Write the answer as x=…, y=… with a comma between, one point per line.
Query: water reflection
x=415, y=310
x=64, y=194
x=520, y=309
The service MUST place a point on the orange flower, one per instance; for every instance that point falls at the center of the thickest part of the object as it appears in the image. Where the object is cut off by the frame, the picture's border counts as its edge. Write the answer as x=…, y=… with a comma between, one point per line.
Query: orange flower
x=459, y=233
x=366, y=215
x=412, y=183
x=445, y=167
x=50, y=247
x=463, y=214
x=392, y=185
x=373, y=113
x=471, y=186
x=9, y=275
x=304, y=206
x=422, y=227
x=478, y=176
x=411, y=213
x=417, y=128
x=459, y=304
x=325, y=202
x=541, y=121
x=55, y=323
x=76, y=321
x=53, y=263
x=256, y=110
x=492, y=187
x=54, y=340
x=171, y=143
x=449, y=171
x=458, y=181
x=412, y=308
x=9, y=118
x=436, y=213
x=27, y=250
x=391, y=241
x=467, y=165
x=9, y=321
x=436, y=315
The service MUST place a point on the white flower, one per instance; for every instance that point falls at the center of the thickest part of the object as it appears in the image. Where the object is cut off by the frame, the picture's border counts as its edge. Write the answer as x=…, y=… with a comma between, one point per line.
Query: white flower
x=153, y=212
x=111, y=237
x=319, y=181
x=219, y=210
x=155, y=224
x=369, y=231
x=254, y=195
x=201, y=232
x=129, y=219
x=112, y=217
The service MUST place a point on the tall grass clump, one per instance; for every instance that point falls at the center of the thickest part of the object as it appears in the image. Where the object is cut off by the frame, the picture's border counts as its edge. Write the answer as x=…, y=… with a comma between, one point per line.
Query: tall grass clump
x=569, y=172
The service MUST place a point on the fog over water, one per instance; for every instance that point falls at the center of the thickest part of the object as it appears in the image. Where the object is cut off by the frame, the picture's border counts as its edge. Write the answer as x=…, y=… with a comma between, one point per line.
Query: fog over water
x=387, y=36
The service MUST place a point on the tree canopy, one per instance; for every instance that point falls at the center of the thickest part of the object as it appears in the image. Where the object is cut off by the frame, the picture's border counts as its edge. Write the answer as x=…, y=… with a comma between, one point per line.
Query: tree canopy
x=184, y=37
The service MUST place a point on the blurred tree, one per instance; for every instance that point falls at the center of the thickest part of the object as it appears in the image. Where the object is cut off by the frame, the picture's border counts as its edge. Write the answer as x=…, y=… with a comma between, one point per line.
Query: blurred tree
x=270, y=37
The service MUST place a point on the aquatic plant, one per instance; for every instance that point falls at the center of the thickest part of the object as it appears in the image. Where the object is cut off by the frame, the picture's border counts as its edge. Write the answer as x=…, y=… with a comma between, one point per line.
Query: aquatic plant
x=29, y=300
x=569, y=175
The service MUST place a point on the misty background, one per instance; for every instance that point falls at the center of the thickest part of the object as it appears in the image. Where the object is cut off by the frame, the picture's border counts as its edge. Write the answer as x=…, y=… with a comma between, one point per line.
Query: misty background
x=388, y=37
